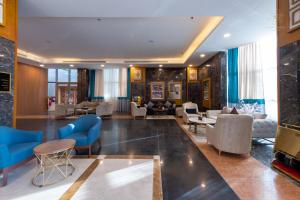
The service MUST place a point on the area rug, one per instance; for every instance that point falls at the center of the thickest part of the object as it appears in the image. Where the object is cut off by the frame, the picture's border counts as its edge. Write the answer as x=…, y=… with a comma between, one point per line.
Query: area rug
x=200, y=136
x=98, y=178
x=161, y=117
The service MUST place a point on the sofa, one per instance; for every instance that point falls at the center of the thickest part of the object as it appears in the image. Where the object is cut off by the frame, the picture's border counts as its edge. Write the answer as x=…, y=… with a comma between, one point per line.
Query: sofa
x=16, y=148
x=137, y=111
x=90, y=106
x=190, y=110
x=262, y=127
x=231, y=133
x=64, y=110
x=85, y=131
x=105, y=109
x=168, y=106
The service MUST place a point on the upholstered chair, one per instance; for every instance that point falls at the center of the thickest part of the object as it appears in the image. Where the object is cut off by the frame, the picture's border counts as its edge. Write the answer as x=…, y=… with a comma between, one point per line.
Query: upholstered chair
x=85, y=130
x=190, y=110
x=231, y=133
x=105, y=109
x=16, y=148
x=212, y=114
x=136, y=111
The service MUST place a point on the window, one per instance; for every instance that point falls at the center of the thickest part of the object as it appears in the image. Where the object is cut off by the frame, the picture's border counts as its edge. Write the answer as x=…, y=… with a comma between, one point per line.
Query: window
x=63, y=75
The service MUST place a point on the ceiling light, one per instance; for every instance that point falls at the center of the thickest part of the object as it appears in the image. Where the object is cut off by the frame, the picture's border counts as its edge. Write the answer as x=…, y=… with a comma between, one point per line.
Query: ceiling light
x=130, y=65
x=102, y=65
x=151, y=41
x=41, y=65
x=202, y=55
x=99, y=19
x=203, y=185
x=208, y=65
x=190, y=65
x=160, y=65
x=227, y=35
x=71, y=65
x=286, y=64
x=1, y=55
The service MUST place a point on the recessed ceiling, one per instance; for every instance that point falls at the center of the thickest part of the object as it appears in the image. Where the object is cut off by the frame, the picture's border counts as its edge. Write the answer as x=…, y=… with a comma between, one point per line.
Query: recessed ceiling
x=143, y=30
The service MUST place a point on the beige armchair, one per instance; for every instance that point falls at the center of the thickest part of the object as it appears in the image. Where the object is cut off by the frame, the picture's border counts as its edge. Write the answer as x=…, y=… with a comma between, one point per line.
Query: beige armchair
x=187, y=108
x=232, y=133
x=64, y=110
x=136, y=111
x=105, y=109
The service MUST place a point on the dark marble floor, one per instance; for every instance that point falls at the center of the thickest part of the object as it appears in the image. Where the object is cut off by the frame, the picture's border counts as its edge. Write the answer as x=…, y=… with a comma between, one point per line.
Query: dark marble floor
x=186, y=173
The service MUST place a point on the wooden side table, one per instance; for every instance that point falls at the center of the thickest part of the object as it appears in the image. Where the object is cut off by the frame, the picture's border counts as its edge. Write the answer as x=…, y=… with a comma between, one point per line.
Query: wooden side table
x=53, y=156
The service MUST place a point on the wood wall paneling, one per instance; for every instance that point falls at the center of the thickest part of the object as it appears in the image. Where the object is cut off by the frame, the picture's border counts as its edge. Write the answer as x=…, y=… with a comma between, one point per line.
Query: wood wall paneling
x=32, y=93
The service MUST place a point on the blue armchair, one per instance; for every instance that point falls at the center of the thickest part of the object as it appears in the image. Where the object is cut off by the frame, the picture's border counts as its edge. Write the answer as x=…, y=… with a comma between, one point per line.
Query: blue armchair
x=85, y=130
x=16, y=148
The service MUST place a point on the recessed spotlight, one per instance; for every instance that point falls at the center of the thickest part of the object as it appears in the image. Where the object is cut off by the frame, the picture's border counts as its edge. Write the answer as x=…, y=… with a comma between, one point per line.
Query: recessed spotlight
x=1, y=55
x=227, y=35
x=41, y=65
x=71, y=65
x=151, y=41
x=130, y=65
x=203, y=185
x=99, y=19
x=160, y=65
x=202, y=55
x=102, y=65
x=191, y=17
x=190, y=65
x=208, y=65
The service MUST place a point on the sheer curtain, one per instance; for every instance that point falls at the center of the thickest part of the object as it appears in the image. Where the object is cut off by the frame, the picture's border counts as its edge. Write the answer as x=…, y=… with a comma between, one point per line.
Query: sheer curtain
x=111, y=85
x=98, y=89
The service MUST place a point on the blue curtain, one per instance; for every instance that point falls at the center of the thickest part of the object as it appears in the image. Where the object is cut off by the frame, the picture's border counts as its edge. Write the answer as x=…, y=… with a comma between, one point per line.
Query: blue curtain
x=233, y=76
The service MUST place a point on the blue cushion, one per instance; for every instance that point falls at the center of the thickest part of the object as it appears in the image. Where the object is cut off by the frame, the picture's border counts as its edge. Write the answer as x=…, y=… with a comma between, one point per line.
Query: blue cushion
x=81, y=138
x=21, y=151
x=191, y=111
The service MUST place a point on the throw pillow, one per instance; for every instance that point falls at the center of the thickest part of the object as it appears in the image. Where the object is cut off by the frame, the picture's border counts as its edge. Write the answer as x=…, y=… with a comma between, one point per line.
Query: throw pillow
x=234, y=111
x=150, y=104
x=167, y=104
x=260, y=116
x=191, y=111
x=226, y=110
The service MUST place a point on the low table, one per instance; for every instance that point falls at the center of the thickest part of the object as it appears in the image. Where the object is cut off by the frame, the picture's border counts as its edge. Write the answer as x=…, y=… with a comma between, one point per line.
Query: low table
x=160, y=111
x=203, y=122
x=53, y=156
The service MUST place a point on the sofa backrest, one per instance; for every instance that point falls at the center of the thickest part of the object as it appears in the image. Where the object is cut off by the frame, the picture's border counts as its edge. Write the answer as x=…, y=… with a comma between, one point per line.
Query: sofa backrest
x=84, y=123
x=5, y=133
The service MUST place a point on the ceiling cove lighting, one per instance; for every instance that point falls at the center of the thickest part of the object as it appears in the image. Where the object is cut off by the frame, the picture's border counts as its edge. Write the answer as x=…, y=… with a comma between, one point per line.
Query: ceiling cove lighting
x=41, y=65
x=160, y=65
x=102, y=65
x=202, y=55
x=227, y=35
x=71, y=65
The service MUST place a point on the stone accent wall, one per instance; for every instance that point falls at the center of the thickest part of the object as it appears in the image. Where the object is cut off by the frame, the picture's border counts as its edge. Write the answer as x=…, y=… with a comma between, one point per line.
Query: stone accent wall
x=7, y=64
x=82, y=85
x=289, y=76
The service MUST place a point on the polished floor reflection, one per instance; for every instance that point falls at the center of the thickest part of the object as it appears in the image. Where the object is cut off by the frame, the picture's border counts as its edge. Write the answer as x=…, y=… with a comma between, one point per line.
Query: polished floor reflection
x=186, y=173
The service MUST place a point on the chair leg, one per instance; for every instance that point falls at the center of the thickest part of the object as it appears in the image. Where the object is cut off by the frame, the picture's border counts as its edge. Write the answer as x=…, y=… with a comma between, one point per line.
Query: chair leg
x=4, y=178
x=90, y=151
x=220, y=152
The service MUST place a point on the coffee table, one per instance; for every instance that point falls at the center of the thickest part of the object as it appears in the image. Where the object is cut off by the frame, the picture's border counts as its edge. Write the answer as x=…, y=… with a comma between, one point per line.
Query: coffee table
x=195, y=121
x=53, y=156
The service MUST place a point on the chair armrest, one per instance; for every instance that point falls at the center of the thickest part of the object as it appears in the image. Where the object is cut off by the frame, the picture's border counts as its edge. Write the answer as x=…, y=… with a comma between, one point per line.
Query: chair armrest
x=66, y=131
x=209, y=130
x=94, y=132
x=4, y=156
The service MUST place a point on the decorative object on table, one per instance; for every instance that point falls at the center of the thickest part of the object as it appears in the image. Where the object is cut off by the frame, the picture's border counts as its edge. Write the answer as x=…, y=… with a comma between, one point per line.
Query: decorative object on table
x=206, y=93
x=5, y=82
x=157, y=90
x=137, y=111
x=85, y=130
x=2, y=12
x=53, y=156
x=175, y=90
x=192, y=74
x=16, y=148
x=294, y=14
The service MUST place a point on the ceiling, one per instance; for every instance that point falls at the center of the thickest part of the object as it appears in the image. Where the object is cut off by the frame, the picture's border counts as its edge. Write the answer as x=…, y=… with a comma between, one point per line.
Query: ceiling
x=170, y=32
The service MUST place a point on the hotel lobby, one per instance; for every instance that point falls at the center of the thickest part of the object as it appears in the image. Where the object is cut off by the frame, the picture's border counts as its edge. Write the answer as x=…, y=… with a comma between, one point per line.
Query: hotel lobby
x=152, y=99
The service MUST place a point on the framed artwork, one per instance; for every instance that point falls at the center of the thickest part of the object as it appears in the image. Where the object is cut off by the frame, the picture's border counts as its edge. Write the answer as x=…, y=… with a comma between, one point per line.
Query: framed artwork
x=5, y=82
x=137, y=75
x=294, y=14
x=175, y=90
x=206, y=93
x=157, y=90
x=192, y=74
x=2, y=11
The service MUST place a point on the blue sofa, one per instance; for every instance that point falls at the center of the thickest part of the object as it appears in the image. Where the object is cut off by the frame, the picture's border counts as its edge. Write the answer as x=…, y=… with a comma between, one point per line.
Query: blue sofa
x=16, y=148
x=85, y=130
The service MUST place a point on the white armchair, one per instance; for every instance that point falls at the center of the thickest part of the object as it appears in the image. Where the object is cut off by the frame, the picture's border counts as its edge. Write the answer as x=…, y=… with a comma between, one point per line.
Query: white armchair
x=105, y=109
x=136, y=111
x=186, y=114
x=232, y=133
x=64, y=110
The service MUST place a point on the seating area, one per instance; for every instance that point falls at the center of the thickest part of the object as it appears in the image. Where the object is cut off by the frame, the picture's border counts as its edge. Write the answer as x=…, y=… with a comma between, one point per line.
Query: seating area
x=141, y=100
